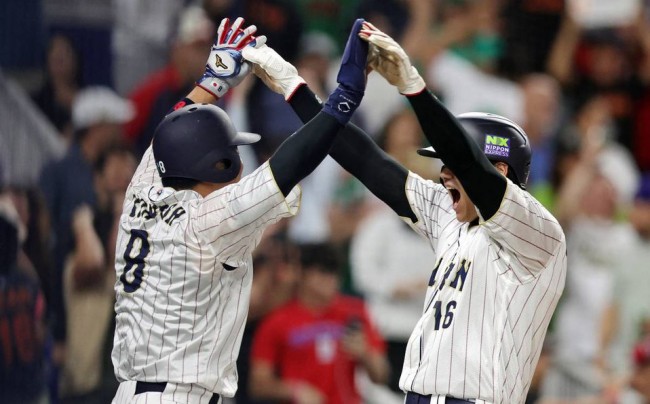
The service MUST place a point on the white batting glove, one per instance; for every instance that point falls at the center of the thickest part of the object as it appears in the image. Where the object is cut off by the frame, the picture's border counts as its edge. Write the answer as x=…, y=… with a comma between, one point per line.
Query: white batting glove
x=276, y=73
x=389, y=59
x=225, y=67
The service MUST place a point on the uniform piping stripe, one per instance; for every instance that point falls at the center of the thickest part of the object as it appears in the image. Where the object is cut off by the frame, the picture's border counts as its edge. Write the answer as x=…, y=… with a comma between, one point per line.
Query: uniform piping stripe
x=467, y=332
x=233, y=215
x=220, y=319
x=424, y=197
x=238, y=213
x=243, y=226
x=480, y=347
x=523, y=306
x=162, y=334
x=152, y=313
x=198, y=353
x=180, y=316
x=531, y=227
x=233, y=196
x=527, y=208
x=524, y=240
x=549, y=312
x=503, y=330
x=243, y=317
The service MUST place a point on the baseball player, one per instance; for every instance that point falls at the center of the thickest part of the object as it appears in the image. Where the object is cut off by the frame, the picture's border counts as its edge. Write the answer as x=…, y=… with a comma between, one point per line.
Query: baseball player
x=500, y=255
x=190, y=223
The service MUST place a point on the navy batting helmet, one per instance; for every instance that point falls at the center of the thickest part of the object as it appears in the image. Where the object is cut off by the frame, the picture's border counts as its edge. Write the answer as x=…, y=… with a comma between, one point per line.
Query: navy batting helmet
x=199, y=142
x=500, y=139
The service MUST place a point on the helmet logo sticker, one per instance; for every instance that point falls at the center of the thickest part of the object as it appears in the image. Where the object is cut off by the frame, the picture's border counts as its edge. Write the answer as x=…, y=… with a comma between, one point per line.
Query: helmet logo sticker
x=497, y=146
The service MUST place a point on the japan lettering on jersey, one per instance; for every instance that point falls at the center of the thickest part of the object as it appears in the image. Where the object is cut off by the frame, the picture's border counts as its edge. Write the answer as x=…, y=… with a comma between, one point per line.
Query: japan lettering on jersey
x=184, y=272
x=492, y=291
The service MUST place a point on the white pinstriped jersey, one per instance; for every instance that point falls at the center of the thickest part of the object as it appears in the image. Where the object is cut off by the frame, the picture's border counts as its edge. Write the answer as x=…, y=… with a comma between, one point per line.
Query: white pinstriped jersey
x=184, y=272
x=491, y=295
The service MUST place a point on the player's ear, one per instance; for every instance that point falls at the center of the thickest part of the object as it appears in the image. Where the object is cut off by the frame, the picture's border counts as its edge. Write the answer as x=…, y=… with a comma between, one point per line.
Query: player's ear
x=502, y=168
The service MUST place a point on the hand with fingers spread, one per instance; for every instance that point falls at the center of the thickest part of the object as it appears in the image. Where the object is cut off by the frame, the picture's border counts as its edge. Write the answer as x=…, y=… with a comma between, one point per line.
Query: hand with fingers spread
x=389, y=59
x=225, y=67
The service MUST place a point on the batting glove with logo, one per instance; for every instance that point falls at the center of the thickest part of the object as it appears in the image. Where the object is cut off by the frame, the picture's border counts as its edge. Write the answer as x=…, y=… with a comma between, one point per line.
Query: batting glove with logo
x=276, y=73
x=345, y=99
x=390, y=60
x=226, y=67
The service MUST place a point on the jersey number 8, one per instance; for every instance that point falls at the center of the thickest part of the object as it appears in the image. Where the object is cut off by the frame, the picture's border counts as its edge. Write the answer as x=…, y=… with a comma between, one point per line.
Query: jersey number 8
x=131, y=277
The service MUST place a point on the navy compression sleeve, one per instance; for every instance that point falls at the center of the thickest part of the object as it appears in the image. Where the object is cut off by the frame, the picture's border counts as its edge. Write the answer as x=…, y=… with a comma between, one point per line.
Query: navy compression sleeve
x=484, y=185
x=303, y=151
x=356, y=152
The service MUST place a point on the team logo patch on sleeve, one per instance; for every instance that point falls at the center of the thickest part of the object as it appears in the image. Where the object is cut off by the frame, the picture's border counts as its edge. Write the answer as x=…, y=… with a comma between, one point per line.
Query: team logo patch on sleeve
x=497, y=146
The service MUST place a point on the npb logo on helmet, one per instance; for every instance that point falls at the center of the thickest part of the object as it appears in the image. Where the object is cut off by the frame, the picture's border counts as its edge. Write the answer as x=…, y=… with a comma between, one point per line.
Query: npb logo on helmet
x=497, y=146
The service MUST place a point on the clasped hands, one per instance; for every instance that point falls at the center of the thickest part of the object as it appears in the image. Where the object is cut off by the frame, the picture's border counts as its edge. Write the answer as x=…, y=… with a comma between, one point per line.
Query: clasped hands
x=236, y=52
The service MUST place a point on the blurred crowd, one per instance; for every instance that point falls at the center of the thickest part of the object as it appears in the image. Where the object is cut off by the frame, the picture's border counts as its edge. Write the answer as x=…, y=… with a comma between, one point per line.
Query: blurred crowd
x=338, y=289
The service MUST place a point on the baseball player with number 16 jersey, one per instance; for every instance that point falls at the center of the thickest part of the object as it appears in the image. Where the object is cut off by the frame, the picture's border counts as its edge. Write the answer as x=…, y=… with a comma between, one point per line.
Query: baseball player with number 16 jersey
x=500, y=255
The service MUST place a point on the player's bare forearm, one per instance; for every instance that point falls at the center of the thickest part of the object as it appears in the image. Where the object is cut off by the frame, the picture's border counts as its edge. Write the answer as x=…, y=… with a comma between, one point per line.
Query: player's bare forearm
x=355, y=344
x=88, y=253
x=224, y=68
x=376, y=366
x=199, y=96
x=265, y=385
x=560, y=60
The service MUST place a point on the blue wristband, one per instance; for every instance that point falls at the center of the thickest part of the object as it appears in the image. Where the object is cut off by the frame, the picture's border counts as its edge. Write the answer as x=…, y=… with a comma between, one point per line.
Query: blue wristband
x=342, y=103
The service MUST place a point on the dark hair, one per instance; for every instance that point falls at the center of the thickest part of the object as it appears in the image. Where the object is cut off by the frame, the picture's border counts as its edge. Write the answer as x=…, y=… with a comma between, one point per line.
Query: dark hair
x=117, y=150
x=78, y=78
x=8, y=245
x=2, y=177
x=323, y=257
x=382, y=138
x=79, y=134
x=276, y=248
x=179, y=184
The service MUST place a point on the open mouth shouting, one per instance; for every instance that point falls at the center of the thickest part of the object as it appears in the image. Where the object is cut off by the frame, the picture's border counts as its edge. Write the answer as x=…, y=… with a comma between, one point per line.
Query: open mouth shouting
x=455, y=195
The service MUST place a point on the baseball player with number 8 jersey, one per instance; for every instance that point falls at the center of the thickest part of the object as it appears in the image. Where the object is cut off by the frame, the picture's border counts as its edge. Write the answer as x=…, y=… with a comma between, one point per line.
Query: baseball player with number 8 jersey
x=500, y=255
x=190, y=223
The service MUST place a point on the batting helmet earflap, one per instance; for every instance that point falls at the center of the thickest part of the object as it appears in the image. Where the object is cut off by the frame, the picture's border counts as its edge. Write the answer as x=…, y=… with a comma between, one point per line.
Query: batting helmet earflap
x=199, y=142
x=500, y=139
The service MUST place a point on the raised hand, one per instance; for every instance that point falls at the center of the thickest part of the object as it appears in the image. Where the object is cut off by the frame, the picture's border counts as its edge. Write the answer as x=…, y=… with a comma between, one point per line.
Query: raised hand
x=389, y=59
x=277, y=74
x=225, y=67
x=345, y=99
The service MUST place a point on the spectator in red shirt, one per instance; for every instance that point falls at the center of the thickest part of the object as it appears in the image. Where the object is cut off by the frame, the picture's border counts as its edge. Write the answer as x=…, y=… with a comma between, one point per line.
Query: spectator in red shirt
x=307, y=350
x=641, y=377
